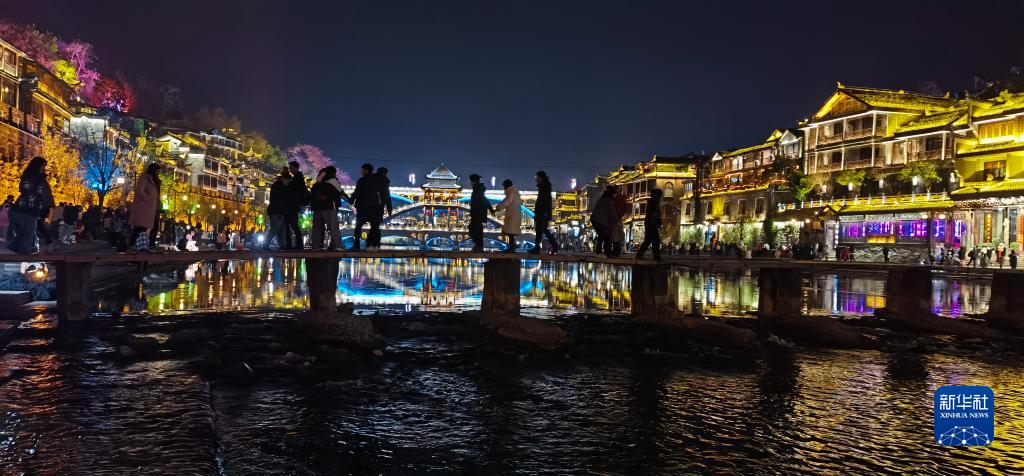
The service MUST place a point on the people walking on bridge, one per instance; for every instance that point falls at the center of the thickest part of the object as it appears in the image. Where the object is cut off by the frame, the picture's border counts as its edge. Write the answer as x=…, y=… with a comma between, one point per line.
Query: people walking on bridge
x=606, y=222
x=325, y=198
x=479, y=207
x=369, y=207
x=542, y=213
x=512, y=224
x=652, y=226
x=382, y=185
x=277, y=209
x=298, y=198
x=144, y=207
x=34, y=202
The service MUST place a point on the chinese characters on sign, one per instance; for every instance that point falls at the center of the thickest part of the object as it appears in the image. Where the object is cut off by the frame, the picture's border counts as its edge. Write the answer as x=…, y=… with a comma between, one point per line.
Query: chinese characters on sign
x=964, y=416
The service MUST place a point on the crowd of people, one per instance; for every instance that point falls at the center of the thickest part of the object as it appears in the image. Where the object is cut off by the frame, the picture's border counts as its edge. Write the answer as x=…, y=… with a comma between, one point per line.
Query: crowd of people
x=33, y=219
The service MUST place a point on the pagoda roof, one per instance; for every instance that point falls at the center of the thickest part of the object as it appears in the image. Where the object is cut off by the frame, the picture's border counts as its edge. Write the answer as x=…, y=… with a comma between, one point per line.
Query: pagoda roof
x=1005, y=103
x=442, y=173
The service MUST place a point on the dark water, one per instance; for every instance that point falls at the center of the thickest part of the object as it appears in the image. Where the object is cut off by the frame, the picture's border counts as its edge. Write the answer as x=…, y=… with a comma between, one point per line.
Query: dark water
x=548, y=289
x=434, y=404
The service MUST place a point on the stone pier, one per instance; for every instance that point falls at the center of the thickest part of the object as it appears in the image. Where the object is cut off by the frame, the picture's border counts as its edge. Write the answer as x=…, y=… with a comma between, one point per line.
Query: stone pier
x=73, y=283
x=780, y=309
x=780, y=293
x=501, y=288
x=322, y=282
x=1006, y=307
x=499, y=310
x=649, y=299
x=908, y=305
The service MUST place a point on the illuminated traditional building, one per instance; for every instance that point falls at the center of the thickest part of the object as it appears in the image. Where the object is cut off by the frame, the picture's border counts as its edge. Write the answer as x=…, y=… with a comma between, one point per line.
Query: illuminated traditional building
x=567, y=213
x=990, y=162
x=745, y=185
x=860, y=146
x=675, y=176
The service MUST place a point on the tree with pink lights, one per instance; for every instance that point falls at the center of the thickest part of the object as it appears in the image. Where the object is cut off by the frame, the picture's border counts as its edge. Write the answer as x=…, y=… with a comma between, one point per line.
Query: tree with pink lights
x=311, y=159
x=79, y=54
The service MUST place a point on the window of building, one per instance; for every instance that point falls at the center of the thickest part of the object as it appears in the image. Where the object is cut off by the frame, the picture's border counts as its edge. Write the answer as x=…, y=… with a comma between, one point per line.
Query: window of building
x=689, y=209
x=933, y=143
x=837, y=157
x=837, y=128
x=727, y=209
x=758, y=206
x=995, y=170
x=708, y=209
x=742, y=207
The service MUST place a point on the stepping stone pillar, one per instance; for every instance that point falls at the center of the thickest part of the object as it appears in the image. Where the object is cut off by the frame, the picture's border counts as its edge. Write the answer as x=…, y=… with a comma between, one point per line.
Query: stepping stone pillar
x=908, y=294
x=322, y=283
x=780, y=293
x=648, y=291
x=73, y=282
x=501, y=288
x=1006, y=306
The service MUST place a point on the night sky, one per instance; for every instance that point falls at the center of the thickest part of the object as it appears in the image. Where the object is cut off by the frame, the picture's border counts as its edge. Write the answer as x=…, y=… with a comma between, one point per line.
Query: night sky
x=506, y=88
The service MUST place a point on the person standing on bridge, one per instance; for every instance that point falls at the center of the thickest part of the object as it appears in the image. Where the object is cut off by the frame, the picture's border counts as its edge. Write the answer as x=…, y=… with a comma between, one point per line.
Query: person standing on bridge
x=298, y=198
x=479, y=207
x=325, y=198
x=369, y=208
x=33, y=204
x=652, y=226
x=606, y=222
x=144, y=208
x=277, y=209
x=512, y=223
x=542, y=213
x=382, y=186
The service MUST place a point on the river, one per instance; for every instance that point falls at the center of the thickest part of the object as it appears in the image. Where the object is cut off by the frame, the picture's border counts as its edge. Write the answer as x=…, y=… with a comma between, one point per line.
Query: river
x=437, y=405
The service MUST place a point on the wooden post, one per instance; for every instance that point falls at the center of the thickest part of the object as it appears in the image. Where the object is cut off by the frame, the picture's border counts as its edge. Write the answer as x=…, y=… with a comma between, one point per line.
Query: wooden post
x=73, y=282
x=501, y=288
x=780, y=292
x=322, y=282
x=648, y=292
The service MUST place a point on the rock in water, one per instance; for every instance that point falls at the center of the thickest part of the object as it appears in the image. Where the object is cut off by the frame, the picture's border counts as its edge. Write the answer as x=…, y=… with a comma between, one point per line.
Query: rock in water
x=125, y=352
x=348, y=308
x=818, y=332
x=524, y=329
x=188, y=338
x=342, y=328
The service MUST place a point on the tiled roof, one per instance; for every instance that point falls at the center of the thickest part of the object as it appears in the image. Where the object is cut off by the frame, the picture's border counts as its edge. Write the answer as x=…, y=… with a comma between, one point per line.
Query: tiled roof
x=968, y=149
x=993, y=187
x=896, y=204
x=897, y=100
x=956, y=116
x=1005, y=103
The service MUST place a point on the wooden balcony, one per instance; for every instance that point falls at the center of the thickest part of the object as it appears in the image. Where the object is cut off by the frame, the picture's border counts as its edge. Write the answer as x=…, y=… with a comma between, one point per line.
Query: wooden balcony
x=845, y=136
x=827, y=167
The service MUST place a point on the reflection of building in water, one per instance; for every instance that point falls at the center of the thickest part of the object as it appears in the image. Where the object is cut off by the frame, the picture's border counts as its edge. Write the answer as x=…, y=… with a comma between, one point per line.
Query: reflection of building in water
x=414, y=284
x=715, y=294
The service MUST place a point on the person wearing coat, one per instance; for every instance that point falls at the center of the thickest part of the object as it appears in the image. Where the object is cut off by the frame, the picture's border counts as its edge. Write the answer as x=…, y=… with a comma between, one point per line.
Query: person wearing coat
x=479, y=207
x=542, y=214
x=607, y=223
x=298, y=198
x=33, y=203
x=325, y=198
x=366, y=199
x=513, y=222
x=652, y=226
x=145, y=206
x=277, y=209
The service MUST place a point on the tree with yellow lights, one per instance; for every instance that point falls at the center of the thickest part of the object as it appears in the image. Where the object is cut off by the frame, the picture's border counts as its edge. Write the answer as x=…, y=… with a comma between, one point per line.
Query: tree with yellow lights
x=64, y=169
